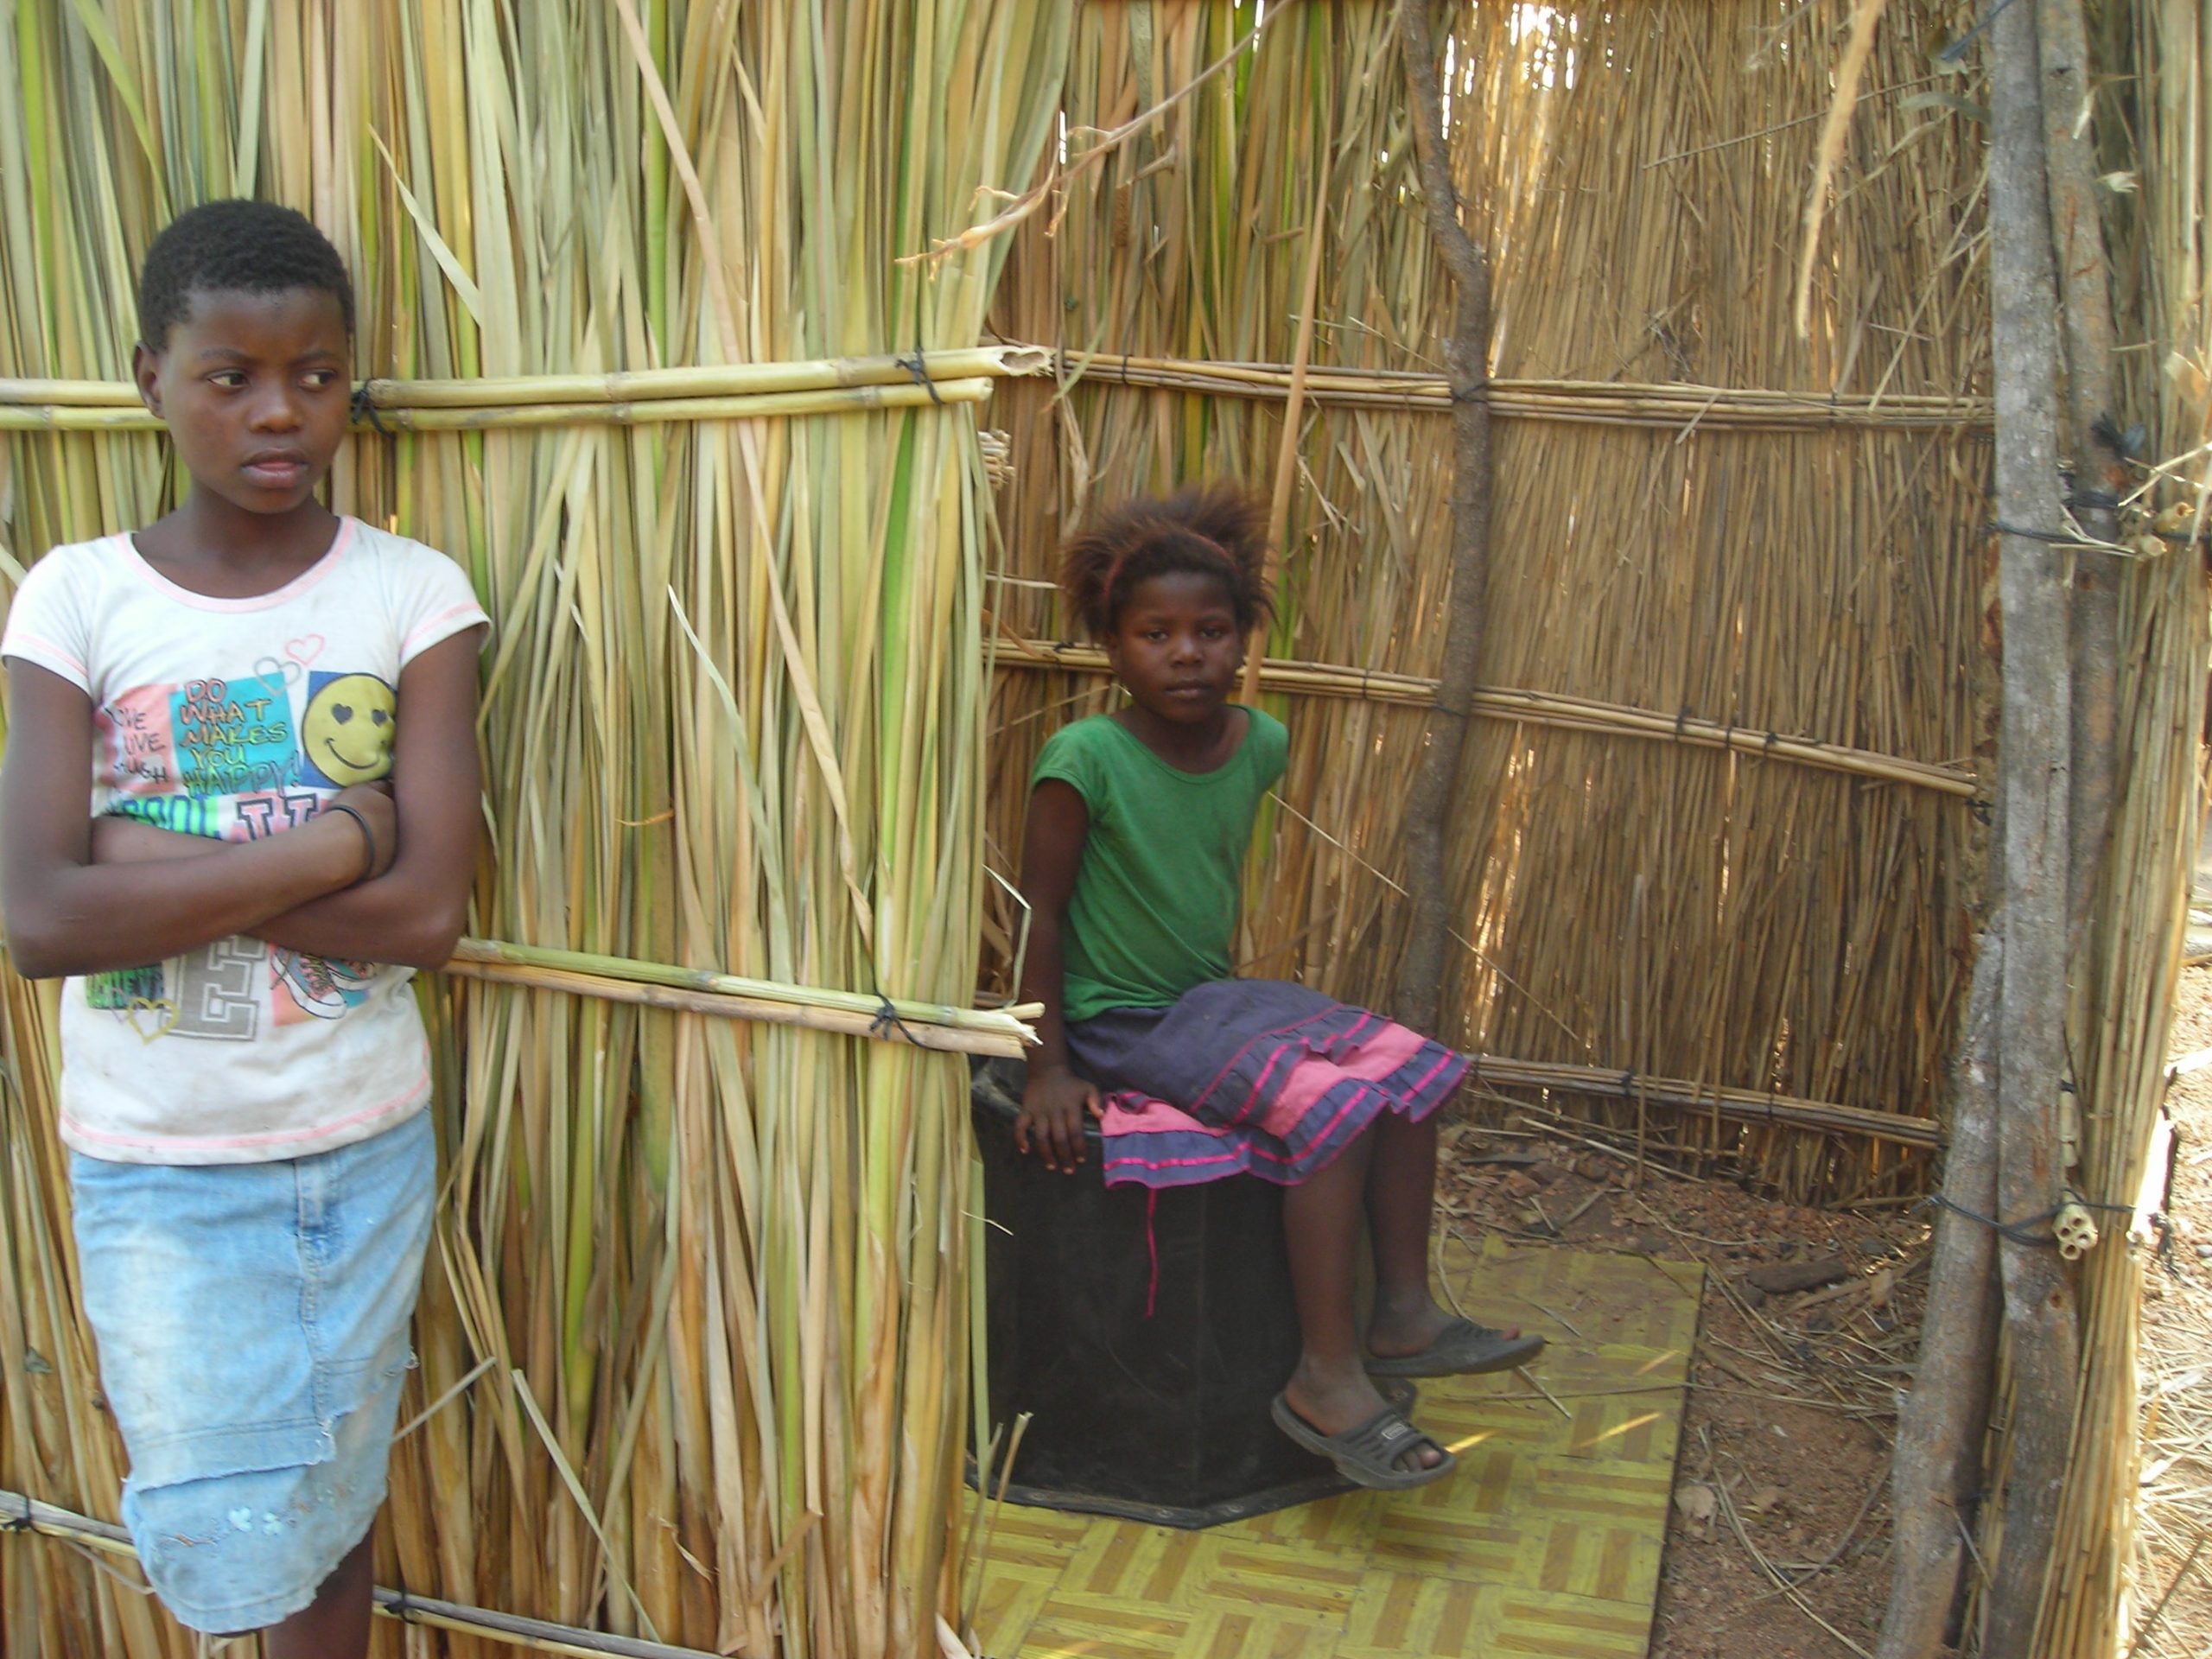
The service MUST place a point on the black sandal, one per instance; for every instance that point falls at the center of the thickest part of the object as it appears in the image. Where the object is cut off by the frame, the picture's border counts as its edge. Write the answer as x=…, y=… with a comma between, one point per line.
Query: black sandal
x=1460, y=1349
x=1368, y=1455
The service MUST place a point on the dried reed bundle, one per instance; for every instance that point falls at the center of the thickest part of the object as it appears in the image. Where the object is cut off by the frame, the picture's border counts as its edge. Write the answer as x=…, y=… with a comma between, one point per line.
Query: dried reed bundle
x=2124, y=1018
x=2093, y=1604
x=732, y=721
x=33, y=1518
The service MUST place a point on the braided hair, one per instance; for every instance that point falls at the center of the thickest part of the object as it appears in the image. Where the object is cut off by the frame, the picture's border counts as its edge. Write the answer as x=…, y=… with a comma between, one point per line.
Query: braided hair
x=1213, y=529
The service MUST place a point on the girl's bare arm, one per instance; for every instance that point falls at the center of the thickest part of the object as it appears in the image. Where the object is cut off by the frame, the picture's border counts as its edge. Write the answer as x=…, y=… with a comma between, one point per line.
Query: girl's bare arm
x=1051, y=854
x=414, y=911
x=66, y=915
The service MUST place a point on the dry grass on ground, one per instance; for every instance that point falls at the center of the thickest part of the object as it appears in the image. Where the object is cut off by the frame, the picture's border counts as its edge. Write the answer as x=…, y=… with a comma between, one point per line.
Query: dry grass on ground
x=2175, y=1559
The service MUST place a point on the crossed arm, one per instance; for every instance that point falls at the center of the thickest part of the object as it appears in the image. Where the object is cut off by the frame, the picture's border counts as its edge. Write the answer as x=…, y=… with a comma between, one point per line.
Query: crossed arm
x=80, y=898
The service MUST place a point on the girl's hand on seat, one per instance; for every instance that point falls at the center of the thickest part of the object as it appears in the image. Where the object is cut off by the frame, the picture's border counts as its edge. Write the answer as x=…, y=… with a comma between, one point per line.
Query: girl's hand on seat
x=1050, y=1120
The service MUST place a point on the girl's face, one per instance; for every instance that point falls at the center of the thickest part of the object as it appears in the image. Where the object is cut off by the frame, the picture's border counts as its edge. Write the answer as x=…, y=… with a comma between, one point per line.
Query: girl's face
x=1177, y=647
x=254, y=390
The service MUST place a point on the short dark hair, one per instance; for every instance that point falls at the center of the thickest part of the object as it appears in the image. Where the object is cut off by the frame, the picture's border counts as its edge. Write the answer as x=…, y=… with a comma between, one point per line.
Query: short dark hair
x=250, y=247
x=1213, y=529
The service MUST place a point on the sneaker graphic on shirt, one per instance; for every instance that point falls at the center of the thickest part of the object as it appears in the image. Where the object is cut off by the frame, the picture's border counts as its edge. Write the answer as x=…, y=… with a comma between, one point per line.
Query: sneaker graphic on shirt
x=323, y=985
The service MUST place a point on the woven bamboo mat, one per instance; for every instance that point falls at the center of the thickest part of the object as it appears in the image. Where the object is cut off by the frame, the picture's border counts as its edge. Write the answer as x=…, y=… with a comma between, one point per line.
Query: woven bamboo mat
x=1546, y=1542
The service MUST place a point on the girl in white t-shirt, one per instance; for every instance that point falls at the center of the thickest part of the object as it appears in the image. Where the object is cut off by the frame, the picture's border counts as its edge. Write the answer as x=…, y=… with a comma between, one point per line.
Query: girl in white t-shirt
x=240, y=805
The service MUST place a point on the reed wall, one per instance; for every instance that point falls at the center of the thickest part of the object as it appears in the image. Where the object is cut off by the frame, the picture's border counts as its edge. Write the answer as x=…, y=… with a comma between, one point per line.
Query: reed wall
x=1805, y=563
x=693, y=1337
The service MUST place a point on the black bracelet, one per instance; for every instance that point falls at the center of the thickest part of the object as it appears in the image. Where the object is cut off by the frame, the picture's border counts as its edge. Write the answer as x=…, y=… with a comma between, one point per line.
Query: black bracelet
x=367, y=835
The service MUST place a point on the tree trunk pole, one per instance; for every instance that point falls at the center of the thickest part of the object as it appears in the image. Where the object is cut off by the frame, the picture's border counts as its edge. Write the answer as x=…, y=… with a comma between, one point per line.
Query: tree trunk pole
x=1937, y=1465
x=2034, y=751
x=1466, y=356
x=2085, y=308
x=1936, y=1470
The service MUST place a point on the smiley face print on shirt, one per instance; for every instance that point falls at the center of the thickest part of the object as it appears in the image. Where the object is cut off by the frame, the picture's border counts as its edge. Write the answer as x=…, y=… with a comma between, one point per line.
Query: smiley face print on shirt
x=346, y=730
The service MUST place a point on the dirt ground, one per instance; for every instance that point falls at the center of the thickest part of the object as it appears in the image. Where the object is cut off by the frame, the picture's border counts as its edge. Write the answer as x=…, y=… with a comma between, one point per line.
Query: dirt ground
x=1779, y=1544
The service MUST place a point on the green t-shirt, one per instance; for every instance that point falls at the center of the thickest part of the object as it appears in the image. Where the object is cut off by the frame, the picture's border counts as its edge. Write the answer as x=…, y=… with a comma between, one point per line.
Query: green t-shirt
x=1154, y=907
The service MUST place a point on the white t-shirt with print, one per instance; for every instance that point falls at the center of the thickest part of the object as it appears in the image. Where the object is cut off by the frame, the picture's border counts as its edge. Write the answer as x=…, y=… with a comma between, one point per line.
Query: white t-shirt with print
x=237, y=719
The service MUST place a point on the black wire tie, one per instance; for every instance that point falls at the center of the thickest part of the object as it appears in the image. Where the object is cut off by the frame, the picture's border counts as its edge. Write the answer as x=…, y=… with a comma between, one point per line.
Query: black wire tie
x=915, y=366
x=886, y=1020
x=2018, y=1231
x=365, y=409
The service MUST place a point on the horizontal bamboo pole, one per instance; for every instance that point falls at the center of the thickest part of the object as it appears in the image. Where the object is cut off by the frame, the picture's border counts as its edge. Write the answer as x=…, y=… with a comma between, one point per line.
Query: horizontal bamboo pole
x=721, y=380
x=1608, y=403
x=839, y=400
x=635, y=385
x=702, y=991
x=28, y=1516
x=755, y=1008
x=982, y=1031
x=1742, y=1105
x=656, y=394
x=1546, y=708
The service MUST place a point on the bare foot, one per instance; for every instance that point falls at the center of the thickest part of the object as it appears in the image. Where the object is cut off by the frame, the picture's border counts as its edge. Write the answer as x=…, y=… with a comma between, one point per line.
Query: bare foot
x=1408, y=1325
x=1333, y=1402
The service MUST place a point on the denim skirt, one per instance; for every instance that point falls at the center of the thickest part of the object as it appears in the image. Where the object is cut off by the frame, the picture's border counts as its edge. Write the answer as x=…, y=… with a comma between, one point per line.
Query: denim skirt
x=252, y=1321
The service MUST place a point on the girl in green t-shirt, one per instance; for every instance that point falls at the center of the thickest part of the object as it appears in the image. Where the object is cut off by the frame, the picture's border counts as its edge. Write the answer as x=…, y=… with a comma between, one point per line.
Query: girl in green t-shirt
x=1139, y=823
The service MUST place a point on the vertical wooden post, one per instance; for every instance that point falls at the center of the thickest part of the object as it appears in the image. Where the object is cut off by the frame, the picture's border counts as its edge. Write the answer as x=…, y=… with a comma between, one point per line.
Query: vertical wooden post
x=1936, y=1470
x=2057, y=614
x=2085, y=310
x=2034, y=755
x=1466, y=357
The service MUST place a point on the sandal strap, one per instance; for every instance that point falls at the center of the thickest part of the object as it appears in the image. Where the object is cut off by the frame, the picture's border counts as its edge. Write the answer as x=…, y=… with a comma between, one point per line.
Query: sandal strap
x=1385, y=1437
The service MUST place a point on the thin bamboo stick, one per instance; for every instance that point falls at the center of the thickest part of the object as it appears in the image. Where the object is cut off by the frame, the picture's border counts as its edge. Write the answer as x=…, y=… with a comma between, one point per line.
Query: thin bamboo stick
x=1543, y=709
x=840, y=400
x=29, y=1517
x=889, y=1026
x=634, y=386
x=1741, y=1105
x=1624, y=402
x=1633, y=404
x=1007, y=1022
